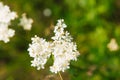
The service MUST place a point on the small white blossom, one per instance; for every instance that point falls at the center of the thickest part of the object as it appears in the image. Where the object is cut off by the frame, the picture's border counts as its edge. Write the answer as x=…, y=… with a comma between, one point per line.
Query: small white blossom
x=6, y=33
x=5, y=18
x=60, y=64
x=39, y=50
x=62, y=49
x=5, y=14
x=112, y=45
x=25, y=22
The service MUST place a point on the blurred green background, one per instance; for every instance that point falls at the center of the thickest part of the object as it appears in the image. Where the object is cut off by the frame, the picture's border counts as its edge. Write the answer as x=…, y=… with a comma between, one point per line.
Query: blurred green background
x=92, y=24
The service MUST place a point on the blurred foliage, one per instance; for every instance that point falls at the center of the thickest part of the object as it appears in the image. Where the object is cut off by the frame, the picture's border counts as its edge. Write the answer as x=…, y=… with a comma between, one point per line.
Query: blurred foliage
x=92, y=23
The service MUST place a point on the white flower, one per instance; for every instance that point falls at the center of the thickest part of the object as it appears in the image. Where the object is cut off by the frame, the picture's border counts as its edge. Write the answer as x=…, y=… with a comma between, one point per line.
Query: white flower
x=25, y=22
x=6, y=33
x=39, y=50
x=5, y=14
x=62, y=49
x=60, y=64
x=5, y=18
x=112, y=45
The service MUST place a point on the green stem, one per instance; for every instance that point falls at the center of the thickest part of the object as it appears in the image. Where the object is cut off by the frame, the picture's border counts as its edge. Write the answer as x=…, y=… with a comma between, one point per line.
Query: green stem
x=60, y=76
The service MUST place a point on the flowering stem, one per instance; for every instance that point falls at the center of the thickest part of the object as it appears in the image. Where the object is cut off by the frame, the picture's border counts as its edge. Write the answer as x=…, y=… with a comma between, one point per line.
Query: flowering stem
x=60, y=76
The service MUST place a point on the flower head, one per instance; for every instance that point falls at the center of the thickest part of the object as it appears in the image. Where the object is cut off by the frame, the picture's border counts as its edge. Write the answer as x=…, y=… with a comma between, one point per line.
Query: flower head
x=62, y=48
x=6, y=33
x=5, y=14
x=25, y=22
x=5, y=18
x=112, y=45
x=39, y=50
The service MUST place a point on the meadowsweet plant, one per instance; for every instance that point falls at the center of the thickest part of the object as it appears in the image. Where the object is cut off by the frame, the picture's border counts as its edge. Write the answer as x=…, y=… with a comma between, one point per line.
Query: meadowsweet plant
x=5, y=18
x=61, y=48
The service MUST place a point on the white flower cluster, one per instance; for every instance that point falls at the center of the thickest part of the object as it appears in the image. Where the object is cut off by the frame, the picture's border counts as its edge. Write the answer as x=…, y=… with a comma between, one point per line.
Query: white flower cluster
x=5, y=18
x=25, y=22
x=112, y=45
x=62, y=48
x=40, y=51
